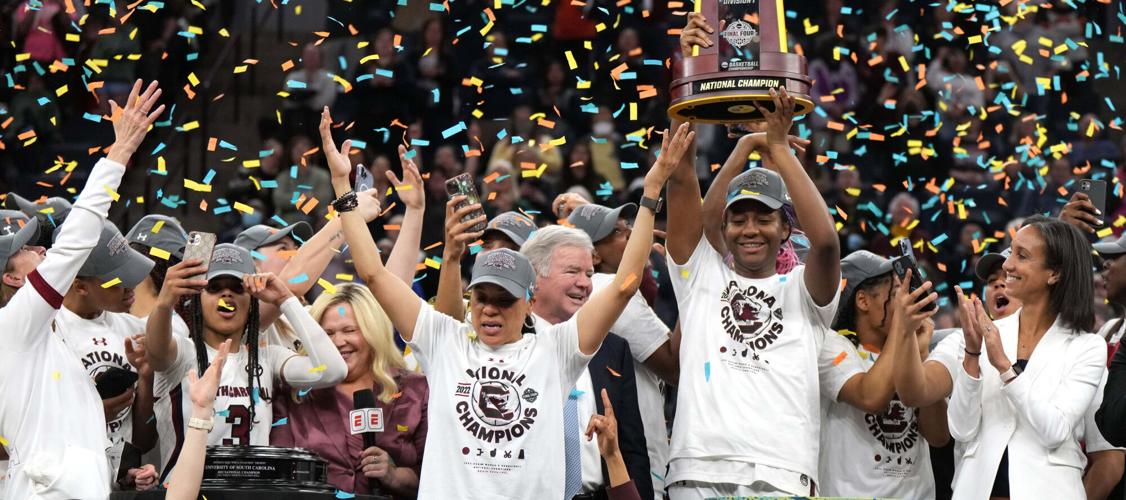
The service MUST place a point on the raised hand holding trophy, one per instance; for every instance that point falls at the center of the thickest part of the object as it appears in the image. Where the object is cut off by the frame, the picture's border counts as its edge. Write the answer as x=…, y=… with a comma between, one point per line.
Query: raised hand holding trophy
x=738, y=53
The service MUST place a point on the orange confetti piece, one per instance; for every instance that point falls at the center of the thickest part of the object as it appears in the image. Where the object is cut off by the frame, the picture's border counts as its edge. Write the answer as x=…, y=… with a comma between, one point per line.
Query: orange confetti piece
x=840, y=357
x=612, y=372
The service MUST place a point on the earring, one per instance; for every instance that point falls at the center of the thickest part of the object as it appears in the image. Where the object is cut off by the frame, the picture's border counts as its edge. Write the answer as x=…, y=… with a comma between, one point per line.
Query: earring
x=529, y=323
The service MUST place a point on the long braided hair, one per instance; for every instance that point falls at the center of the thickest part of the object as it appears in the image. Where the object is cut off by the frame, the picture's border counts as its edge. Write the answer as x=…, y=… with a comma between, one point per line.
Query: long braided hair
x=249, y=337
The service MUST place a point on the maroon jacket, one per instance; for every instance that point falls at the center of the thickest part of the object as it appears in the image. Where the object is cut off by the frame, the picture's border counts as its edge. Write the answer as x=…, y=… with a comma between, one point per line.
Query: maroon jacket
x=320, y=423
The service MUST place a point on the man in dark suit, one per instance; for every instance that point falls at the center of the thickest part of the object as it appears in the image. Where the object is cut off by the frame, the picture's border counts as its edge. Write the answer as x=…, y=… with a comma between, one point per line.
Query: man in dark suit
x=561, y=257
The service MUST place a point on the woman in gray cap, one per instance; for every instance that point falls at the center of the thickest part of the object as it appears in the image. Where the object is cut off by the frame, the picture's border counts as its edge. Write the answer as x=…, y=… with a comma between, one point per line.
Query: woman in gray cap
x=496, y=407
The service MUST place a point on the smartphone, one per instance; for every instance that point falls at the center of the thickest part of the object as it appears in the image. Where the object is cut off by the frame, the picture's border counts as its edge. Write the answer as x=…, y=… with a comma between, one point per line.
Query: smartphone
x=1096, y=191
x=199, y=247
x=906, y=261
x=114, y=382
x=463, y=185
x=362, y=180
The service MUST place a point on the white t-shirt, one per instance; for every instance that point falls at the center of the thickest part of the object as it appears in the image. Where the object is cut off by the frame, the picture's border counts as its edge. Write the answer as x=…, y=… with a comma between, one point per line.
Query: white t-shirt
x=99, y=344
x=232, y=403
x=748, y=399
x=645, y=332
x=863, y=454
x=495, y=413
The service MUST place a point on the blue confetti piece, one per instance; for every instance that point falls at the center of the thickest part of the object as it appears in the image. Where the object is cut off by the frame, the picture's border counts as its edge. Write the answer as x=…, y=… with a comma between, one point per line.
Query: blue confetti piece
x=268, y=184
x=436, y=7
x=340, y=310
x=281, y=422
x=627, y=165
x=707, y=371
x=257, y=255
x=449, y=132
x=295, y=84
x=344, y=494
x=386, y=73
x=302, y=393
x=300, y=278
x=92, y=117
x=210, y=175
x=575, y=393
x=223, y=413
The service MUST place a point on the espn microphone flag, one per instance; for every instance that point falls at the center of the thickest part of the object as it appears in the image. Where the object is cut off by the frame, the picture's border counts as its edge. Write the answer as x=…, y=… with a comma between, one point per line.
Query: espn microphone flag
x=365, y=419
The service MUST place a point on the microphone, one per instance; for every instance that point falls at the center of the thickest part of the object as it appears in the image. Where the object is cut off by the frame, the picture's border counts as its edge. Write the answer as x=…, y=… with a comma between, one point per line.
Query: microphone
x=365, y=419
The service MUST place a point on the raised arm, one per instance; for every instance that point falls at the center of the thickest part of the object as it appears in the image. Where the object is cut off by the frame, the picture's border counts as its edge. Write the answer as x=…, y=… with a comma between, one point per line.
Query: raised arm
x=600, y=312
x=188, y=474
x=396, y=297
x=403, y=261
x=322, y=366
x=964, y=414
x=315, y=254
x=823, y=263
x=449, y=300
x=34, y=304
x=871, y=391
x=684, y=217
x=160, y=347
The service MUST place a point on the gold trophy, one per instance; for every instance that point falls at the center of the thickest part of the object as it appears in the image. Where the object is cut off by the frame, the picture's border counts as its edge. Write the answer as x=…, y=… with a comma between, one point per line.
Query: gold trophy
x=747, y=58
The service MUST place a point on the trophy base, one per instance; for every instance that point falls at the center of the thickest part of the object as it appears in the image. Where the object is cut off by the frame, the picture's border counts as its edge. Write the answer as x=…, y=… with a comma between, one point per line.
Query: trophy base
x=729, y=96
x=265, y=468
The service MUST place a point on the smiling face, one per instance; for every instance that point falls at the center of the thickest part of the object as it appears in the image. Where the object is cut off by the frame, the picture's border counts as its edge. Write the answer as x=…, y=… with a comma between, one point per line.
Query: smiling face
x=753, y=233
x=277, y=255
x=225, y=305
x=497, y=316
x=998, y=303
x=1027, y=274
x=339, y=322
x=567, y=285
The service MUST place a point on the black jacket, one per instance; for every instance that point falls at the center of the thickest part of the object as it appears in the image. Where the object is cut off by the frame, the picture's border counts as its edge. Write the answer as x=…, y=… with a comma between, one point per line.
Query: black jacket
x=611, y=368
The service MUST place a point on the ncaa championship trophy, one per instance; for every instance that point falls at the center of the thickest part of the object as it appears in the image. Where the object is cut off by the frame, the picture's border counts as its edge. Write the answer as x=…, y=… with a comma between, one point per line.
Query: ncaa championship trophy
x=748, y=57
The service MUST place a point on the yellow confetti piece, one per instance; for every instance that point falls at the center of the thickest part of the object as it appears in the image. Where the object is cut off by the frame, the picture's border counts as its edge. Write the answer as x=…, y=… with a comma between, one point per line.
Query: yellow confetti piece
x=60, y=91
x=192, y=125
x=401, y=428
x=317, y=369
x=111, y=283
x=329, y=287
x=223, y=304
x=1104, y=232
x=195, y=186
x=571, y=60
x=56, y=375
x=344, y=277
x=3, y=442
x=252, y=163
x=684, y=273
x=157, y=227
x=158, y=253
x=433, y=263
x=192, y=79
x=243, y=208
x=112, y=194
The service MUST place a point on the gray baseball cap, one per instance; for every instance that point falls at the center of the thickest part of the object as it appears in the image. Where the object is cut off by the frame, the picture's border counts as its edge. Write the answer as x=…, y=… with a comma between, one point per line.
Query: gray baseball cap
x=987, y=262
x=859, y=266
x=12, y=220
x=60, y=206
x=258, y=236
x=113, y=258
x=503, y=267
x=12, y=242
x=170, y=237
x=228, y=259
x=514, y=225
x=758, y=184
x=598, y=221
x=1111, y=248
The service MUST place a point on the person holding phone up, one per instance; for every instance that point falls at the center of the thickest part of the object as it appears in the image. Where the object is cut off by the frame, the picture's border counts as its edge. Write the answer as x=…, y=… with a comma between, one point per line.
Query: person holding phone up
x=871, y=443
x=225, y=306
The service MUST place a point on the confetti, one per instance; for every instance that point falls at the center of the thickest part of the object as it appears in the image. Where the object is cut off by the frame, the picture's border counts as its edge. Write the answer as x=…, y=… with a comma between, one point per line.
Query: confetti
x=111, y=283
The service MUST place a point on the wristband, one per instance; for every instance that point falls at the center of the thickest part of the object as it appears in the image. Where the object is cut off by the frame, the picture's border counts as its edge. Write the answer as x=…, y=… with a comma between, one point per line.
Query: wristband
x=201, y=424
x=346, y=202
x=971, y=353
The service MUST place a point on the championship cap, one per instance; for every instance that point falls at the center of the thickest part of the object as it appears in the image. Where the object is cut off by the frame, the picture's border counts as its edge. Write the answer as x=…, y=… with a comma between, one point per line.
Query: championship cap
x=598, y=221
x=503, y=267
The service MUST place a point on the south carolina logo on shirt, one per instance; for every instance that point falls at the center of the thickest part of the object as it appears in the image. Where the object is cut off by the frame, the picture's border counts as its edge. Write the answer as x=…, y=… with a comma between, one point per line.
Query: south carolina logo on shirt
x=896, y=428
x=495, y=406
x=749, y=316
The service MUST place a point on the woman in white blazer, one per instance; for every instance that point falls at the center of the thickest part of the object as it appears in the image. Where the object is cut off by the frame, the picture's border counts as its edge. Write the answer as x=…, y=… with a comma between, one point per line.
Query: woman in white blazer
x=1019, y=404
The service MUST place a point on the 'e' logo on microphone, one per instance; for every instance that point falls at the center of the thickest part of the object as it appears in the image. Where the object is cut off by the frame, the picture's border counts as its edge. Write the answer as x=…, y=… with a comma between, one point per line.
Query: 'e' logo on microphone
x=363, y=420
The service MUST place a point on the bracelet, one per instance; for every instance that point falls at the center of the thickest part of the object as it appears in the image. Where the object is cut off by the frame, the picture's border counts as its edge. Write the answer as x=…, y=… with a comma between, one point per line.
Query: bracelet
x=346, y=202
x=201, y=424
x=971, y=353
x=1009, y=375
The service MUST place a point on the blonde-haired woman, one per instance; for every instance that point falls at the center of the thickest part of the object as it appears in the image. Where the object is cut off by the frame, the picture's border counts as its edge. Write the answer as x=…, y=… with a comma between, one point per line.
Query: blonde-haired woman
x=318, y=420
